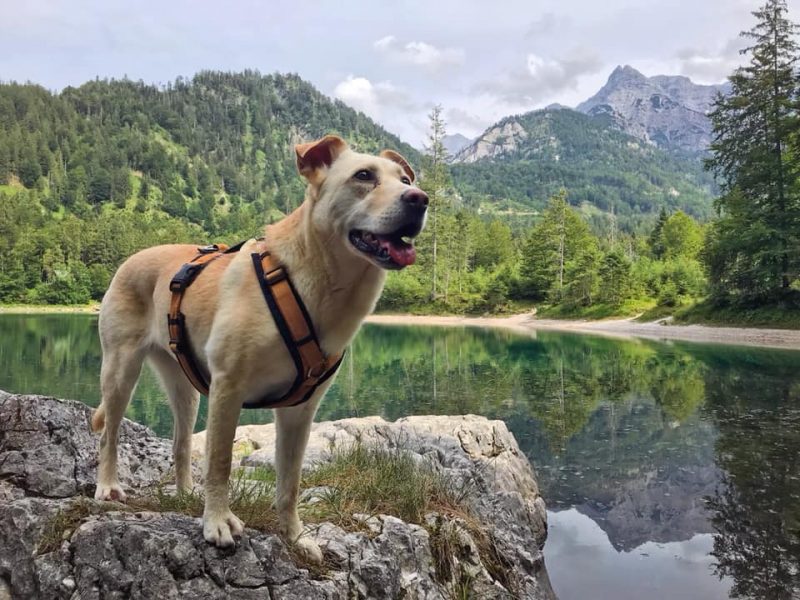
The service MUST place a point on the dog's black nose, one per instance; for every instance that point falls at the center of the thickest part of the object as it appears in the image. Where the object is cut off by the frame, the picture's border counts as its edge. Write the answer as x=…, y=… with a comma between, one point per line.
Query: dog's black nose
x=415, y=197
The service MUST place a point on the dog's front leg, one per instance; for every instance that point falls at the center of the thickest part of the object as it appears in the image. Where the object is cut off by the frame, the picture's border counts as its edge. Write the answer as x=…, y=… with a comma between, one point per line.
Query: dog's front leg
x=220, y=525
x=293, y=426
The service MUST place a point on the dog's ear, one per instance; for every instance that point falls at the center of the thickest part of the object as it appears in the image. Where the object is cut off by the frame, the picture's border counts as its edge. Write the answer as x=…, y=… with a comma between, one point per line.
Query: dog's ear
x=395, y=157
x=313, y=156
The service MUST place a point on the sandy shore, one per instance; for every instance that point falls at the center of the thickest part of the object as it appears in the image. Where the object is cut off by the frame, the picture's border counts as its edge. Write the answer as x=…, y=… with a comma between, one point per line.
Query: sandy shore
x=617, y=328
x=30, y=309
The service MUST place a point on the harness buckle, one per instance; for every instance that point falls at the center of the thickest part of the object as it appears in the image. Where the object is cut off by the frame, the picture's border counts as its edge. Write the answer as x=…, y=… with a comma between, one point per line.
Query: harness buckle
x=211, y=248
x=183, y=277
x=279, y=275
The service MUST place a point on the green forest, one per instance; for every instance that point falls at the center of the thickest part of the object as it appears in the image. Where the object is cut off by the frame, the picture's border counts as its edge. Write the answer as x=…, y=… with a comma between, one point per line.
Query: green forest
x=740, y=266
x=582, y=220
x=605, y=171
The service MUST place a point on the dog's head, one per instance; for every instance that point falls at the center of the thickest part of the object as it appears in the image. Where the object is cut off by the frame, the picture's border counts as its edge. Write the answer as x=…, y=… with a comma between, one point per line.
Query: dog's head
x=368, y=203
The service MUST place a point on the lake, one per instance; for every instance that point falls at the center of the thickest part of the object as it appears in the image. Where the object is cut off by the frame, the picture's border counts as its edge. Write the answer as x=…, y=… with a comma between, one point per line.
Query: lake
x=669, y=470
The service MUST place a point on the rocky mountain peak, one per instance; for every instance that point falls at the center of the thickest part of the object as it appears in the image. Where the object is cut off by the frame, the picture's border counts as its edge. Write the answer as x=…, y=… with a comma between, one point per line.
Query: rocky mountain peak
x=668, y=111
x=625, y=74
x=455, y=143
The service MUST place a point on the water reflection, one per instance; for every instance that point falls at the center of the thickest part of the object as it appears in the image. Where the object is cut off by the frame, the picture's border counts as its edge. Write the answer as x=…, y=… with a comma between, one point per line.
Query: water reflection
x=655, y=571
x=654, y=443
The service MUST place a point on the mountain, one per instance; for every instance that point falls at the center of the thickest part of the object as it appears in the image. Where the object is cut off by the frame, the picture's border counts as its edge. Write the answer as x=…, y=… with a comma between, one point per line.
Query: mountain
x=455, y=143
x=668, y=111
x=92, y=174
x=199, y=148
x=527, y=158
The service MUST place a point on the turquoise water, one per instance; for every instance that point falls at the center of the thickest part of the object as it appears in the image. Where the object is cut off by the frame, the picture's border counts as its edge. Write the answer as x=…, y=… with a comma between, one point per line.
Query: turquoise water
x=670, y=470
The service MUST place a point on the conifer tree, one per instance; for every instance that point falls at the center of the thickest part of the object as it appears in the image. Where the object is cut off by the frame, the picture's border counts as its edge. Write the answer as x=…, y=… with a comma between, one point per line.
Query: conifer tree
x=434, y=181
x=756, y=159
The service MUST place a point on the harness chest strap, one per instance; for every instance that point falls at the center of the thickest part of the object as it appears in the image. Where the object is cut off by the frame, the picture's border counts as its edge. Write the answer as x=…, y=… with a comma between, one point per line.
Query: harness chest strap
x=176, y=322
x=291, y=317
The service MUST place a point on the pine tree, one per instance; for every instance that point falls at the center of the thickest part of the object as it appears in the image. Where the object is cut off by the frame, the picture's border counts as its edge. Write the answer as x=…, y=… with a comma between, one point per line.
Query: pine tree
x=559, y=251
x=434, y=181
x=756, y=158
x=655, y=241
x=615, y=276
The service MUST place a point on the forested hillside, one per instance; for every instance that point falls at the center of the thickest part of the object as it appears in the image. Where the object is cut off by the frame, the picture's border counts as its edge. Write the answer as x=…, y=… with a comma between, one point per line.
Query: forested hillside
x=218, y=133
x=96, y=172
x=528, y=158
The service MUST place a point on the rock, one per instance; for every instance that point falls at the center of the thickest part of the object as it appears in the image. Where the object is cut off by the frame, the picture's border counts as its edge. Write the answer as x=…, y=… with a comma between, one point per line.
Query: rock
x=455, y=143
x=48, y=449
x=471, y=450
x=56, y=543
x=668, y=111
x=501, y=139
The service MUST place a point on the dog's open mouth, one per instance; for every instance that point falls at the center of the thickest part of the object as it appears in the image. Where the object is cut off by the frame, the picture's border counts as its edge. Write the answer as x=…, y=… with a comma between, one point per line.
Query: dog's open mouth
x=391, y=250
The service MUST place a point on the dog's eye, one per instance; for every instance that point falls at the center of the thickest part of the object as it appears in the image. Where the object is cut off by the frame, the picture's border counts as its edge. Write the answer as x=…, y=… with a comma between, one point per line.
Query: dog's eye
x=405, y=180
x=364, y=175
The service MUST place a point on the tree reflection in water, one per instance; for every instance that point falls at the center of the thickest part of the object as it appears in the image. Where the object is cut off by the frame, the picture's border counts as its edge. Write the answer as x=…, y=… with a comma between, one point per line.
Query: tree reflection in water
x=655, y=442
x=756, y=510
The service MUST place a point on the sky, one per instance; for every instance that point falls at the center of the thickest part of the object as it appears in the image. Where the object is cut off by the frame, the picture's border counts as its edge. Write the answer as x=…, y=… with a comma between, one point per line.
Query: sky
x=480, y=60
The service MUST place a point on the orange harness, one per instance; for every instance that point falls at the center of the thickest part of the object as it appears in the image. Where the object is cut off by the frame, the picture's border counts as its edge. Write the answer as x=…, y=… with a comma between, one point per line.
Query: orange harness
x=290, y=314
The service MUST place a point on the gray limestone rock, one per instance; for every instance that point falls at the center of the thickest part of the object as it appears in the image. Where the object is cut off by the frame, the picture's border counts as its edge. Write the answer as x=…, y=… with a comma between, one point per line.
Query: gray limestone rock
x=47, y=463
x=48, y=449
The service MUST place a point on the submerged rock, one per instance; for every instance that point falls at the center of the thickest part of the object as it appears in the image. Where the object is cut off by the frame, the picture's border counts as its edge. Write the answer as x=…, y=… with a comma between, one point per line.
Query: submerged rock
x=57, y=543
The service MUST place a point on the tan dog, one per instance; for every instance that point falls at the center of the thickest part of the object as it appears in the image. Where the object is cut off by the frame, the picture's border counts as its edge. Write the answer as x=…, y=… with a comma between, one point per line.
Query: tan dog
x=336, y=247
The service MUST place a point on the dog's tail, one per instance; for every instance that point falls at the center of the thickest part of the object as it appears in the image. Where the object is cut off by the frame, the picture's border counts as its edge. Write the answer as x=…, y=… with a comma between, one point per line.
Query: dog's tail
x=99, y=419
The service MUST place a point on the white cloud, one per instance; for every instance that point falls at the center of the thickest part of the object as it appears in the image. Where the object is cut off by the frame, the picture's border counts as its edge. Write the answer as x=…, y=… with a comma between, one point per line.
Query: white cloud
x=372, y=98
x=385, y=43
x=358, y=93
x=542, y=78
x=460, y=120
x=704, y=66
x=384, y=102
x=547, y=24
x=419, y=54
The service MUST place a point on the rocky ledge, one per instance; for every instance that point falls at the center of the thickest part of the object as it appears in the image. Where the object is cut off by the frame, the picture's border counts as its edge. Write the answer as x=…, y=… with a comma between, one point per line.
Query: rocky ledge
x=55, y=542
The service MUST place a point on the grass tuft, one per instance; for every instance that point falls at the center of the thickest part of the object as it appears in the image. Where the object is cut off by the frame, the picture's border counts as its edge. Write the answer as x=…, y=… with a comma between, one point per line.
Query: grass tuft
x=372, y=480
x=61, y=525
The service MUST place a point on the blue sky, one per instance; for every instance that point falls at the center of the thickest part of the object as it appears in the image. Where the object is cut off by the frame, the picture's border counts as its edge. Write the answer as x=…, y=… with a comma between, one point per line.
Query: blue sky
x=480, y=60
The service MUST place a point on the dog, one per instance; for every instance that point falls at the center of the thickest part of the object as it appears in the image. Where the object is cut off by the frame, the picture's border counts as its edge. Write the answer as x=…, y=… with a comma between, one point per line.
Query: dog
x=337, y=247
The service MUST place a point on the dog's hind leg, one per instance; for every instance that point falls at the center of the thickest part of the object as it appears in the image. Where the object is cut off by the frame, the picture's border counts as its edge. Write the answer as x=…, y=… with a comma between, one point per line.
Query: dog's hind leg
x=292, y=427
x=184, y=401
x=118, y=375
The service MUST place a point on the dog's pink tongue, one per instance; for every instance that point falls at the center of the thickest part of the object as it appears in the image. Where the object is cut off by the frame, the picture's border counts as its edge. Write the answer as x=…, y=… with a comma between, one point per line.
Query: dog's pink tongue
x=403, y=254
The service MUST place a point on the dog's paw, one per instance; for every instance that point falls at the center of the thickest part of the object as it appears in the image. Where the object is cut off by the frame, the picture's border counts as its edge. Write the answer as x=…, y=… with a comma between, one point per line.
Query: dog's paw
x=109, y=492
x=309, y=549
x=221, y=529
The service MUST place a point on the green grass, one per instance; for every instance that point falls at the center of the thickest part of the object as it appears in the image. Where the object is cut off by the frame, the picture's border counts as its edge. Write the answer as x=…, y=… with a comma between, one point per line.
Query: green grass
x=658, y=311
x=629, y=308
x=372, y=480
x=780, y=315
x=439, y=309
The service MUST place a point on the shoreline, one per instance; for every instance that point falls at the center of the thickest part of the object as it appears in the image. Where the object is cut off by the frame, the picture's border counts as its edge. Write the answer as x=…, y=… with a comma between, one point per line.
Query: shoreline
x=527, y=323
x=46, y=309
x=785, y=339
